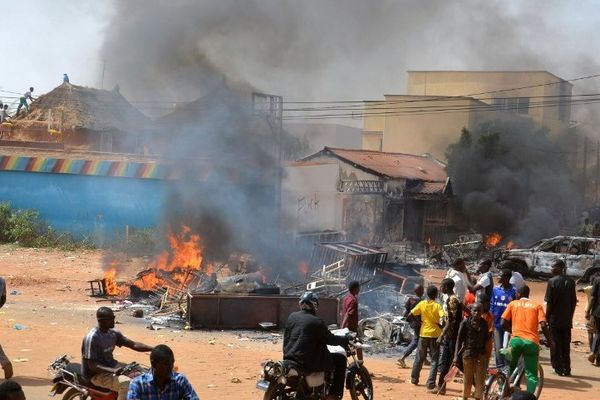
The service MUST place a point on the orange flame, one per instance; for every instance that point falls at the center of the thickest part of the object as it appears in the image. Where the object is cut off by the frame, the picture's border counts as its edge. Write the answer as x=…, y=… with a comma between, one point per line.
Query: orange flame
x=111, y=286
x=303, y=269
x=177, y=264
x=493, y=239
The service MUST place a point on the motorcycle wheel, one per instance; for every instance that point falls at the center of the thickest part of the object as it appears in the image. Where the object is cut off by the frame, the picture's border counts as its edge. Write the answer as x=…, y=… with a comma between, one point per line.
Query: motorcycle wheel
x=74, y=394
x=277, y=391
x=360, y=384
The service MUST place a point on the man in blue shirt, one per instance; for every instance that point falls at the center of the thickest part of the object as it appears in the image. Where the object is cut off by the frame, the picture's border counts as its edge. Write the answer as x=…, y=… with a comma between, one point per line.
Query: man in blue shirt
x=502, y=294
x=161, y=383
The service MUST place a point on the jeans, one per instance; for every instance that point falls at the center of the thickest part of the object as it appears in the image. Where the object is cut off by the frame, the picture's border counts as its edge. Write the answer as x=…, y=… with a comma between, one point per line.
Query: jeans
x=446, y=358
x=412, y=345
x=560, y=349
x=425, y=345
x=530, y=352
x=498, y=339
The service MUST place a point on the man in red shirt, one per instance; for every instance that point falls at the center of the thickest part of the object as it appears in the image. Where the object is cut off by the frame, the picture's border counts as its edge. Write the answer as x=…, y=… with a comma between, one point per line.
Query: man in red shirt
x=349, y=315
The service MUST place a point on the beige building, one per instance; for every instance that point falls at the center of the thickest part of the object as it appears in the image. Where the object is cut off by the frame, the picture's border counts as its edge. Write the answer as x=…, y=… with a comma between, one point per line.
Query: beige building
x=440, y=103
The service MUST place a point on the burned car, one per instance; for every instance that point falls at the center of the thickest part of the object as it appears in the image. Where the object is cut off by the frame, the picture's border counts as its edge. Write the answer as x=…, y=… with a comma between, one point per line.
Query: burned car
x=580, y=254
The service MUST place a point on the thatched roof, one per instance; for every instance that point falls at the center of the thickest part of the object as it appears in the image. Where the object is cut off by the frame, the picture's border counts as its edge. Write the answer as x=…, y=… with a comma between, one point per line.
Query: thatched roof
x=84, y=108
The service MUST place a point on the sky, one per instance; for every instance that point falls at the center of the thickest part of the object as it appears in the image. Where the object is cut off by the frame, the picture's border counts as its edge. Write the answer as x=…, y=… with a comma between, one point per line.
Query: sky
x=333, y=50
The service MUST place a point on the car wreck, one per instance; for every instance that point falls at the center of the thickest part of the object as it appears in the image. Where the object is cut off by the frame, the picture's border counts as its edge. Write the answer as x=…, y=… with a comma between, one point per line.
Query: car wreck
x=580, y=254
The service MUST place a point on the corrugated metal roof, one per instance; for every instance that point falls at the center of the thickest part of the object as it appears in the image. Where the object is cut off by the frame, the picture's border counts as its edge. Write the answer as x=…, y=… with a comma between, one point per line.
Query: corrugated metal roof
x=429, y=188
x=393, y=165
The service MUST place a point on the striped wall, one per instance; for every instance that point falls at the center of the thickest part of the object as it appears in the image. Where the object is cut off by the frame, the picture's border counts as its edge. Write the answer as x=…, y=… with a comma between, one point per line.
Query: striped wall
x=124, y=169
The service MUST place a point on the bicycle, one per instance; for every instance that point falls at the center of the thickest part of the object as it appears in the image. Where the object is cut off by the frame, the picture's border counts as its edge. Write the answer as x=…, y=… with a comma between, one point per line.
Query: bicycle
x=497, y=387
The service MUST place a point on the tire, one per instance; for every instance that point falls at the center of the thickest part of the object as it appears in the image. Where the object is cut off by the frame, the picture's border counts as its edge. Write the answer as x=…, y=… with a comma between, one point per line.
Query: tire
x=277, y=391
x=74, y=394
x=360, y=384
x=540, y=385
x=495, y=387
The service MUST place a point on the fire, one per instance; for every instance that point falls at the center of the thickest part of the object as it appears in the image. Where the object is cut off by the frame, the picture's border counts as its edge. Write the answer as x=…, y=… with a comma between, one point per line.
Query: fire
x=110, y=284
x=493, y=239
x=176, y=266
x=303, y=269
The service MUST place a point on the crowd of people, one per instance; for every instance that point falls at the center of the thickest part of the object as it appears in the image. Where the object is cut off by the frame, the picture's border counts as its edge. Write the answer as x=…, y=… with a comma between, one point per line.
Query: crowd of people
x=474, y=319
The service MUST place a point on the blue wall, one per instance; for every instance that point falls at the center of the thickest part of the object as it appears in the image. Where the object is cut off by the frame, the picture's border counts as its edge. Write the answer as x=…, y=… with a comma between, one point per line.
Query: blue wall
x=90, y=205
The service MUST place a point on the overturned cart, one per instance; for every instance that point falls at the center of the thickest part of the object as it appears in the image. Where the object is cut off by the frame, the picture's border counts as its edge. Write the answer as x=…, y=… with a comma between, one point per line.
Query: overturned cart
x=249, y=311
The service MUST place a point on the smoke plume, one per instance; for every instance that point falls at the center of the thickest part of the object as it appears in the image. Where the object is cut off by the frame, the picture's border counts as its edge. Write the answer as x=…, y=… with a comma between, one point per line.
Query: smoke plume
x=512, y=178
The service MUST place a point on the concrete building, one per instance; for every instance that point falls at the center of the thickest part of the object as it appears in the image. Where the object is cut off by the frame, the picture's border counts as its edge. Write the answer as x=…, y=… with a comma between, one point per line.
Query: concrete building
x=367, y=196
x=440, y=103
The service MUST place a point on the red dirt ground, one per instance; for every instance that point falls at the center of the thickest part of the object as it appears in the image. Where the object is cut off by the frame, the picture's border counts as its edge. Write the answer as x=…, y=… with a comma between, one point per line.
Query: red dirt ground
x=55, y=306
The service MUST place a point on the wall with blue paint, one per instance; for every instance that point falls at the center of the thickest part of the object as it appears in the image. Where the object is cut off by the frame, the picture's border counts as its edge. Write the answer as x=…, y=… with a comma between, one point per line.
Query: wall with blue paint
x=86, y=205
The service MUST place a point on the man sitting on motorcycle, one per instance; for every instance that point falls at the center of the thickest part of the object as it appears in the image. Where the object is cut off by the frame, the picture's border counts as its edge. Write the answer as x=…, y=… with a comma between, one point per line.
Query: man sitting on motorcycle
x=98, y=363
x=305, y=343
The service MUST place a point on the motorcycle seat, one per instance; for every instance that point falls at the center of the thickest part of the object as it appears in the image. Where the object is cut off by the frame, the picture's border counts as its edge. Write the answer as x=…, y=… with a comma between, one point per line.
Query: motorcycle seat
x=76, y=370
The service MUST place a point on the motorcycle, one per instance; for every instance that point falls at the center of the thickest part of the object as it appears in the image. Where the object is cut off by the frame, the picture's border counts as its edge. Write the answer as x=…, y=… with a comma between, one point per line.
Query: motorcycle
x=68, y=379
x=283, y=380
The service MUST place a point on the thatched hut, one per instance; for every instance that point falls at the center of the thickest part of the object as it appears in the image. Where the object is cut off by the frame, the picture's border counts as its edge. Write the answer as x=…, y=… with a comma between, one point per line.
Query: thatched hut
x=83, y=118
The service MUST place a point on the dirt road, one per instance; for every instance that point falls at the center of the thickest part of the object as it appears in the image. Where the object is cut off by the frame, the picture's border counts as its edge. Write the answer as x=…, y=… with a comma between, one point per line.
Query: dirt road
x=53, y=309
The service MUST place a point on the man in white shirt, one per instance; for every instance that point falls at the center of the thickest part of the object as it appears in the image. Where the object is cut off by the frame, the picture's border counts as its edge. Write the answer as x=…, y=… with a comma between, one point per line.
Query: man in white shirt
x=485, y=283
x=460, y=277
x=517, y=280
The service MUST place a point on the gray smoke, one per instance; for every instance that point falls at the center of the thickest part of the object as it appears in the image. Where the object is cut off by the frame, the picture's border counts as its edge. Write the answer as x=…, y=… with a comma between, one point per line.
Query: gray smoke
x=511, y=177
x=177, y=51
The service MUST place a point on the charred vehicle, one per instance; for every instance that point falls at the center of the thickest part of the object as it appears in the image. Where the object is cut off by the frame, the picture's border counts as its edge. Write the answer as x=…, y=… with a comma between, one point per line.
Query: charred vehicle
x=580, y=254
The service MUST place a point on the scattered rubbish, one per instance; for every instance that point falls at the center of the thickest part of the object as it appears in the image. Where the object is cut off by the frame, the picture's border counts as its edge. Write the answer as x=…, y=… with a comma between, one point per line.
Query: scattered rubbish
x=236, y=380
x=211, y=385
x=212, y=341
x=20, y=360
x=15, y=292
x=138, y=313
x=267, y=325
x=19, y=327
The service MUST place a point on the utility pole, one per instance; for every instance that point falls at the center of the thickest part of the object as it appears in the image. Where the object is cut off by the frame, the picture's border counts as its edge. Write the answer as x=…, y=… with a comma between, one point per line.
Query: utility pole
x=102, y=78
x=584, y=174
x=271, y=107
x=597, y=172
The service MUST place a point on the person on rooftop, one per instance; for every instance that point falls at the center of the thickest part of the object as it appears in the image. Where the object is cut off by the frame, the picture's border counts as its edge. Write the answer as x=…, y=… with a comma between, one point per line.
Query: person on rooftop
x=23, y=101
x=65, y=78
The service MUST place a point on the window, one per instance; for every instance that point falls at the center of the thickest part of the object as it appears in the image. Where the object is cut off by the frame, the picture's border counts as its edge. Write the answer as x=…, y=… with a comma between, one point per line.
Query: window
x=512, y=104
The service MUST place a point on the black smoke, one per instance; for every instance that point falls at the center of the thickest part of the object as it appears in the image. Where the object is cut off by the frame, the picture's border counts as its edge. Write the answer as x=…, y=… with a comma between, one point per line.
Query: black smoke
x=511, y=177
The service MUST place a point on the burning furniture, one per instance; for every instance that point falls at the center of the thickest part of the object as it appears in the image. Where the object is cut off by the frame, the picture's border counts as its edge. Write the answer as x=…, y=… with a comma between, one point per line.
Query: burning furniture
x=334, y=264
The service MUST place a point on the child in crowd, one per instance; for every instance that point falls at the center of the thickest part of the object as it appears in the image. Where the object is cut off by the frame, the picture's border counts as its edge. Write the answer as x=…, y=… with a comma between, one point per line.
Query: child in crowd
x=473, y=336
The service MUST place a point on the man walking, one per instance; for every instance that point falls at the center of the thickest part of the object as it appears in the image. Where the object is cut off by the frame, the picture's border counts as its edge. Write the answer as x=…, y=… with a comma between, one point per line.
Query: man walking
x=349, y=315
x=23, y=101
x=431, y=313
x=502, y=295
x=525, y=316
x=454, y=312
x=414, y=322
x=4, y=361
x=561, y=300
